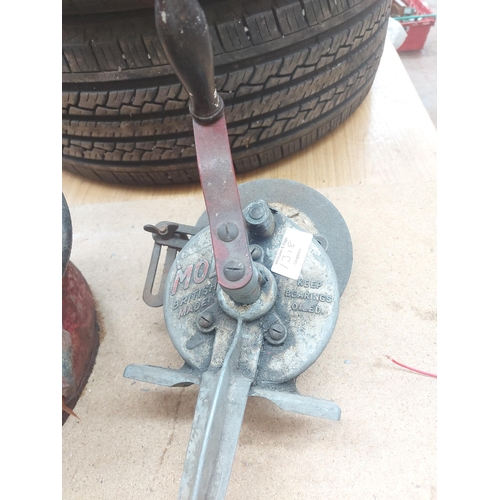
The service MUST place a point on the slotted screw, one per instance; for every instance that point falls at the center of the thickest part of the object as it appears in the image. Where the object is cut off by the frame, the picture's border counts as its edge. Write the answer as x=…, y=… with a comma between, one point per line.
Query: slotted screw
x=206, y=320
x=276, y=333
x=227, y=231
x=234, y=271
x=255, y=252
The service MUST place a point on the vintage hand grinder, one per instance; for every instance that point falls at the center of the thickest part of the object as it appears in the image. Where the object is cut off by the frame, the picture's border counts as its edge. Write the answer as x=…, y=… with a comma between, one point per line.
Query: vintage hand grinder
x=251, y=300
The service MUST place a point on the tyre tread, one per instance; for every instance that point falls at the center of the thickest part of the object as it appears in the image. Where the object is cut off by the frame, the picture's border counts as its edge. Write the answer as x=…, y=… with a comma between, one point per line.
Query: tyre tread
x=139, y=131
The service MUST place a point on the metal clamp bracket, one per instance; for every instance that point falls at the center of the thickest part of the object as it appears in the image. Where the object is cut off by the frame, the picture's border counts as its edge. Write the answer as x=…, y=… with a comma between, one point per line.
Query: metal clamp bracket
x=174, y=236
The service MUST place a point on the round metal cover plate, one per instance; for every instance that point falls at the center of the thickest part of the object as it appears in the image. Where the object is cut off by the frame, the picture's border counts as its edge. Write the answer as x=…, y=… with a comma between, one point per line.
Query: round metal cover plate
x=307, y=307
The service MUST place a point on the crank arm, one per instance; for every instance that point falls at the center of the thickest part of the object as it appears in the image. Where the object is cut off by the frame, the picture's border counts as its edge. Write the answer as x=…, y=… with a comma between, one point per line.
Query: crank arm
x=183, y=32
x=227, y=224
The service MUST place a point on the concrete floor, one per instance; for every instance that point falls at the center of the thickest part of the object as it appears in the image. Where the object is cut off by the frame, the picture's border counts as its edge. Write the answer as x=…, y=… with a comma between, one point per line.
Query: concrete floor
x=421, y=65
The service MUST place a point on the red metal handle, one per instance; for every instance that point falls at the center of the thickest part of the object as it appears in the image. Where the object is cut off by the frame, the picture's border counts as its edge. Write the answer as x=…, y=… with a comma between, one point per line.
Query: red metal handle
x=235, y=271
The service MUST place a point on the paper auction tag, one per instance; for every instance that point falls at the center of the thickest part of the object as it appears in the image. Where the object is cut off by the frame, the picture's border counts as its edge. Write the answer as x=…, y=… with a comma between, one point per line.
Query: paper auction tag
x=292, y=253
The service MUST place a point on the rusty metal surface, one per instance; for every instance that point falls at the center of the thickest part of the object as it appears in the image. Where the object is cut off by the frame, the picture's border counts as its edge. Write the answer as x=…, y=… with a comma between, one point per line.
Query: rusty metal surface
x=222, y=201
x=80, y=335
x=79, y=330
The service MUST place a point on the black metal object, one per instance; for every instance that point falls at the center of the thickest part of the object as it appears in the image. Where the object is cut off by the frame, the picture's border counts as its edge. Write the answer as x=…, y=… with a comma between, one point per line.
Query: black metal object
x=186, y=41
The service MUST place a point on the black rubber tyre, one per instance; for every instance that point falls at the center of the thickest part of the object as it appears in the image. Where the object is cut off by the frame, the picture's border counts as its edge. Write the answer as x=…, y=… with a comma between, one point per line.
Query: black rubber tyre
x=289, y=72
x=95, y=6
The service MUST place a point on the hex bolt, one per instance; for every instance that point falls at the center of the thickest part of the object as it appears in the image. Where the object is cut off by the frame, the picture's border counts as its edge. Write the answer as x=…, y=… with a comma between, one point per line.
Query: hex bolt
x=260, y=219
x=206, y=320
x=227, y=231
x=255, y=252
x=234, y=271
x=276, y=333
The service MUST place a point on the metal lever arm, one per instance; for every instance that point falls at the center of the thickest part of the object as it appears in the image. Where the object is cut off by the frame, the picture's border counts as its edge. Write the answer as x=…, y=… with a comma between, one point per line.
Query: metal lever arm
x=233, y=262
x=183, y=31
x=184, y=35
